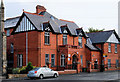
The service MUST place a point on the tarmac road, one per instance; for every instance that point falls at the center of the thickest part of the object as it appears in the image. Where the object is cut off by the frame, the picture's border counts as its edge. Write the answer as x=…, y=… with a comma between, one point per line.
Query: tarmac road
x=83, y=77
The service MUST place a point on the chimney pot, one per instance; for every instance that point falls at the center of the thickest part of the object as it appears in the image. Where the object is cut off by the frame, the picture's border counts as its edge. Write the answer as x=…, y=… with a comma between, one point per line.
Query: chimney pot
x=40, y=8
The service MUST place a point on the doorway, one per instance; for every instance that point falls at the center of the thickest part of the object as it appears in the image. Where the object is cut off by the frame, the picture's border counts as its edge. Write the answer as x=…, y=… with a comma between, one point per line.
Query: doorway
x=74, y=62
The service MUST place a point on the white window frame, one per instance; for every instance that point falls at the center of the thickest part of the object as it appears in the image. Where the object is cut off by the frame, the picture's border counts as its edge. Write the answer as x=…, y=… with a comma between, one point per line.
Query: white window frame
x=52, y=58
x=20, y=60
x=46, y=59
x=64, y=39
x=115, y=48
x=81, y=57
x=47, y=39
x=62, y=59
x=109, y=63
x=109, y=47
x=117, y=63
x=12, y=48
x=80, y=41
x=8, y=32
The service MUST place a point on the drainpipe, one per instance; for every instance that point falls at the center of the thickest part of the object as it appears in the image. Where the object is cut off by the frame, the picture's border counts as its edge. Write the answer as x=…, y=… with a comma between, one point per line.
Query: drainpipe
x=26, y=48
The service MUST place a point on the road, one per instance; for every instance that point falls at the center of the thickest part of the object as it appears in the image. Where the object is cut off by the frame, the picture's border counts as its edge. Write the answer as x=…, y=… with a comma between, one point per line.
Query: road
x=99, y=77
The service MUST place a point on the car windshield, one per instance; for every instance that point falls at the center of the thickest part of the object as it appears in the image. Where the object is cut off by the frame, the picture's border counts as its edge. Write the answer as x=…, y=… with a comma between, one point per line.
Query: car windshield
x=36, y=68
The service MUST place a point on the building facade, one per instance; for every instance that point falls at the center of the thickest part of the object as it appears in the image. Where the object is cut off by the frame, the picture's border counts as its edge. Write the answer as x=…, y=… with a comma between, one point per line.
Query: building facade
x=109, y=43
x=45, y=40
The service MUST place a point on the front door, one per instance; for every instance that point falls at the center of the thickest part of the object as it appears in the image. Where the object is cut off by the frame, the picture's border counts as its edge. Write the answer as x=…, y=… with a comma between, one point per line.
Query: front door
x=74, y=62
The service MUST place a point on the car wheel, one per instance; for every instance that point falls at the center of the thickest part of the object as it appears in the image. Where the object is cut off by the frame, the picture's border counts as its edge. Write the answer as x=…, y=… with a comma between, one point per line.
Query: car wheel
x=55, y=75
x=41, y=76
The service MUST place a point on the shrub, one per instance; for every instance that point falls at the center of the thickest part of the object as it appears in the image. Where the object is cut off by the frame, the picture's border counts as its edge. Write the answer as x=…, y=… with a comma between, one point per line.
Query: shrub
x=15, y=71
x=29, y=67
x=23, y=70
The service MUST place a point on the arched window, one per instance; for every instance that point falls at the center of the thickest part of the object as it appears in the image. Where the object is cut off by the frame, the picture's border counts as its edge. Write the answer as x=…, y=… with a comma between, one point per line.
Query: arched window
x=62, y=60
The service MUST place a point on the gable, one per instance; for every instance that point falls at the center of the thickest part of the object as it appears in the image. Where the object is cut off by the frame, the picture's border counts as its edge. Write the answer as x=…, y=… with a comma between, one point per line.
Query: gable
x=113, y=39
x=24, y=25
x=64, y=30
x=47, y=28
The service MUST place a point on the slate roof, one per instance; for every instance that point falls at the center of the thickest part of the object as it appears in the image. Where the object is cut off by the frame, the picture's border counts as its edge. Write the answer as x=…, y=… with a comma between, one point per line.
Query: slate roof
x=90, y=45
x=100, y=37
x=11, y=22
x=37, y=20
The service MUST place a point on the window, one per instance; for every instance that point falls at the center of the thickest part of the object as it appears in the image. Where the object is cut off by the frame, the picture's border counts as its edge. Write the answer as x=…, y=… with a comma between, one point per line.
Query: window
x=115, y=48
x=109, y=63
x=95, y=64
x=12, y=48
x=52, y=18
x=46, y=59
x=64, y=39
x=80, y=41
x=109, y=47
x=81, y=60
x=47, y=38
x=117, y=63
x=20, y=60
x=62, y=60
x=8, y=32
x=52, y=60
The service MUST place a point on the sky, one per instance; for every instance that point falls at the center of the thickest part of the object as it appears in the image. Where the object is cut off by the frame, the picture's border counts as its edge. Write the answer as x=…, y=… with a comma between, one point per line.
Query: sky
x=85, y=13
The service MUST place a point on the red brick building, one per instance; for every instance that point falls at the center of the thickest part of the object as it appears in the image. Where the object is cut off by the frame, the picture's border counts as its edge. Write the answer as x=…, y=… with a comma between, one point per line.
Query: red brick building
x=109, y=43
x=43, y=39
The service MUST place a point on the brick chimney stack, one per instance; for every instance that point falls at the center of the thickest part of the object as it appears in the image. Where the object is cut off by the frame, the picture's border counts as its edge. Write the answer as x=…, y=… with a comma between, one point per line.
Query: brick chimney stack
x=40, y=8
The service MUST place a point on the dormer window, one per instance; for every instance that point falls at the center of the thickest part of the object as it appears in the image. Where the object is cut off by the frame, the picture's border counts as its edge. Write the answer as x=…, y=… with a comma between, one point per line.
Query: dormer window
x=52, y=18
x=47, y=29
x=65, y=31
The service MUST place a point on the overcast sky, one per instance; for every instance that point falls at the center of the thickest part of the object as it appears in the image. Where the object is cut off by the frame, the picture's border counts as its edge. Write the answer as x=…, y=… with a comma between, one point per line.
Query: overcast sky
x=85, y=13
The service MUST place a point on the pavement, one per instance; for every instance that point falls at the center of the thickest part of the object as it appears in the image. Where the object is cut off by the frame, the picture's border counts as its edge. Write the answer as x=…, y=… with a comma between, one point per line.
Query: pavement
x=110, y=76
x=2, y=78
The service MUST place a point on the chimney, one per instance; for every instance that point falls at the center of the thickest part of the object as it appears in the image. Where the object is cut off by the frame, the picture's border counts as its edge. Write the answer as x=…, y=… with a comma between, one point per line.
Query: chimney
x=40, y=8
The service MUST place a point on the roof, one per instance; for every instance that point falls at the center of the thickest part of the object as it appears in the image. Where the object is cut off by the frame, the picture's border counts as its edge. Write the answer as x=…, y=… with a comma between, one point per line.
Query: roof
x=11, y=22
x=100, y=37
x=37, y=20
x=90, y=45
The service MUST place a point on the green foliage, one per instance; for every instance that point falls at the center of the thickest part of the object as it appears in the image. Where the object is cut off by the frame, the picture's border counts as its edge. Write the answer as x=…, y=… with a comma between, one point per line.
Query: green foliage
x=29, y=67
x=94, y=30
x=24, y=69
x=15, y=71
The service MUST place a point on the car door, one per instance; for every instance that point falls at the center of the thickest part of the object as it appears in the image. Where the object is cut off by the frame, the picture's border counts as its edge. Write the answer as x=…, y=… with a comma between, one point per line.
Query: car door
x=50, y=73
x=44, y=72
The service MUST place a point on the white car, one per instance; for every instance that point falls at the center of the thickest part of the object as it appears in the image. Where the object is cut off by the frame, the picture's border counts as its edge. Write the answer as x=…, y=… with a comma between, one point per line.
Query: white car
x=42, y=72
